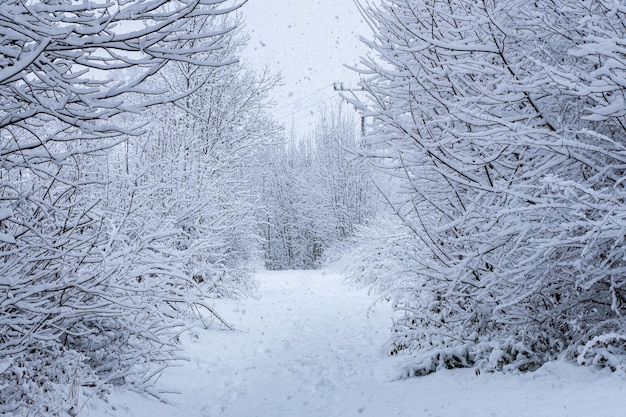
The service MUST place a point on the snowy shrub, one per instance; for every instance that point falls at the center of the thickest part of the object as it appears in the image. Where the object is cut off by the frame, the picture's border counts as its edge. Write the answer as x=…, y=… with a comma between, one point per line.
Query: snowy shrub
x=44, y=380
x=607, y=351
x=504, y=123
x=380, y=255
x=109, y=304
x=425, y=364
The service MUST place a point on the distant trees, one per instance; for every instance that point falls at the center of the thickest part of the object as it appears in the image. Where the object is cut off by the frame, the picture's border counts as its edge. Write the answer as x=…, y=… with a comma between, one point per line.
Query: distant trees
x=506, y=122
x=314, y=193
x=94, y=284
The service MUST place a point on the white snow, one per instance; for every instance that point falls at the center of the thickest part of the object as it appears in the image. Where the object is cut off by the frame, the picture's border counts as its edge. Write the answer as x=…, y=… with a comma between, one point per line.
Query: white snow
x=5, y=212
x=6, y=238
x=309, y=345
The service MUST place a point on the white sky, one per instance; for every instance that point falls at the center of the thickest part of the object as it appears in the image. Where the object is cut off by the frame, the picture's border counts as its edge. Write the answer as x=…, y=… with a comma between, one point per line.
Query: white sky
x=308, y=42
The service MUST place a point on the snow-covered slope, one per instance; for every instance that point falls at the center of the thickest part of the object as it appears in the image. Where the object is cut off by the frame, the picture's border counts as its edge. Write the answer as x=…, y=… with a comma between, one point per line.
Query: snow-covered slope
x=311, y=346
x=308, y=42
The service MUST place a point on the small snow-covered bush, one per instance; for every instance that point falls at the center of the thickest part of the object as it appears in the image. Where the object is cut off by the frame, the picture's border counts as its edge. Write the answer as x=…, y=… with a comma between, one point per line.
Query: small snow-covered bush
x=380, y=255
x=42, y=381
x=428, y=362
x=607, y=350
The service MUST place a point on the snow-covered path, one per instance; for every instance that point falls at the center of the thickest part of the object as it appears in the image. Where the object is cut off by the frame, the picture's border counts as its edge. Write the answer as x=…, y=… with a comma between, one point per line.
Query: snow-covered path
x=308, y=347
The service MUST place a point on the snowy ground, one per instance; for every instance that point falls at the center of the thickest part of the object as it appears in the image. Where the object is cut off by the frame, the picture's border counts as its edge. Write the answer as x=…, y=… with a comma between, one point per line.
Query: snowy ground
x=308, y=347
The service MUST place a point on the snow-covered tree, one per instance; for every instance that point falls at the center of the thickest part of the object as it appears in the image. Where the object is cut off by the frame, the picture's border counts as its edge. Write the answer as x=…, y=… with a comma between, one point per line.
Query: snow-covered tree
x=88, y=296
x=202, y=153
x=505, y=121
x=315, y=193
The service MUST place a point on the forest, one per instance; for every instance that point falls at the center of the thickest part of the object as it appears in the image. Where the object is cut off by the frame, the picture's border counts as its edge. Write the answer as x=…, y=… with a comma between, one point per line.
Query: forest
x=142, y=175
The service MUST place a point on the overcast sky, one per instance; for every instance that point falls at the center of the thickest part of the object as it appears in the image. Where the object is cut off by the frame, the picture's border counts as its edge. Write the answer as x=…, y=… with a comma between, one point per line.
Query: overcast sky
x=308, y=42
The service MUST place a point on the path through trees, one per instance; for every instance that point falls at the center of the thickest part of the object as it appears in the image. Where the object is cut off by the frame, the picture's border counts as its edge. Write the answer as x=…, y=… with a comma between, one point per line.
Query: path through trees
x=309, y=345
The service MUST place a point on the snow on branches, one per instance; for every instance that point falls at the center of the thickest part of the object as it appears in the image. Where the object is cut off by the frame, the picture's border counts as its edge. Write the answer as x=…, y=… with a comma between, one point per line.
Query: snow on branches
x=91, y=294
x=506, y=121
